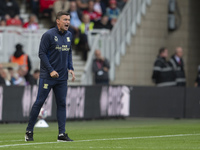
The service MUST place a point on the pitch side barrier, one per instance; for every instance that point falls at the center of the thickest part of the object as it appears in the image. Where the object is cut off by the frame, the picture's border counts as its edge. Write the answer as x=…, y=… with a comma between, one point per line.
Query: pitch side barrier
x=93, y=102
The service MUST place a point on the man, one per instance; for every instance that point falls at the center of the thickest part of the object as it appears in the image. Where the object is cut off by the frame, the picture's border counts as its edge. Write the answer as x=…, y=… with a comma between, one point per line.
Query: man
x=32, y=23
x=75, y=22
x=94, y=16
x=104, y=23
x=84, y=28
x=178, y=66
x=55, y=54
x=100, y=68
x=163, y=74
x=21, y=58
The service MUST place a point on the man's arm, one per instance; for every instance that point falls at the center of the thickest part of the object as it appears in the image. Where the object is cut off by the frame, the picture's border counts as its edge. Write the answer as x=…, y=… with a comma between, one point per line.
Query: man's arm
x=156, y=71
x=94, y=67
x=43, y=52
x=70, y=64
x=106, y=66
x=29, y=64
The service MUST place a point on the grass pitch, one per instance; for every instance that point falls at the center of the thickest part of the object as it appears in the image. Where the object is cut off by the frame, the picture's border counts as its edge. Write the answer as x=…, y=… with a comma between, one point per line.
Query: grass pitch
x=128, y=134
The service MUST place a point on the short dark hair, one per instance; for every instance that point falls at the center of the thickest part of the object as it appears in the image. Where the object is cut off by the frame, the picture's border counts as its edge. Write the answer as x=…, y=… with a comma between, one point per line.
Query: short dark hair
x=18, y=46
x=161, y=50
x=60, y=13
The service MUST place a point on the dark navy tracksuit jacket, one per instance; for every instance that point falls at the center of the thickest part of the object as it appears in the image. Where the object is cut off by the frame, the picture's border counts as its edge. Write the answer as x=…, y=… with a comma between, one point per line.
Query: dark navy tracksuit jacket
x=55, y=54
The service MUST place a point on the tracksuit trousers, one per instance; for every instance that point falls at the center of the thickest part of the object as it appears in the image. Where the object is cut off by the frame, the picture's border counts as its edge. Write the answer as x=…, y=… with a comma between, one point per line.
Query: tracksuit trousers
x=60, y=90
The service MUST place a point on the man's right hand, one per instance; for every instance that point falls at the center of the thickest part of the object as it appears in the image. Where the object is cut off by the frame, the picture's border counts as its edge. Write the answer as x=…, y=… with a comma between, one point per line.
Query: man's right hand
x=54, y=74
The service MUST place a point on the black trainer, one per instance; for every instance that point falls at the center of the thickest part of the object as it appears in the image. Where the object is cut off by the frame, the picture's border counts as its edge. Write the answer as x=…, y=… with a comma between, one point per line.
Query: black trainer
x=29, y=136
x=63, y=138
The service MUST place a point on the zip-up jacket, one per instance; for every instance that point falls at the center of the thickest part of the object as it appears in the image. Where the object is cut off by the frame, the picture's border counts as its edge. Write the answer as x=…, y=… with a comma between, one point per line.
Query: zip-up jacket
x=55, y=53
x=178, y=68
x=163, y=74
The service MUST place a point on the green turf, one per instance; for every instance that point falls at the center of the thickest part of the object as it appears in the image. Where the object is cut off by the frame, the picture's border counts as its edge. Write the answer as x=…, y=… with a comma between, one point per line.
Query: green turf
x=129, y=134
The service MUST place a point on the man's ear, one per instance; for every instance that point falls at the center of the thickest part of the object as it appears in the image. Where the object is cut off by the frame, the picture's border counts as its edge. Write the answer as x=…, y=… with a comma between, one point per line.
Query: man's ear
x=57, y=21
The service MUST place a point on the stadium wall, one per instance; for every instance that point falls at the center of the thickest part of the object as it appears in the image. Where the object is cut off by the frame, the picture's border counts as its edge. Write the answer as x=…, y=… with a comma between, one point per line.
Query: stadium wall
x=95, y=102
x=153, y=34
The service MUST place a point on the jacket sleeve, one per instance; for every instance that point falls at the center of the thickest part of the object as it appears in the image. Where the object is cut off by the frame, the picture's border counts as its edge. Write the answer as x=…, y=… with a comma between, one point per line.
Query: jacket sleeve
x=94, y=67
x=70, y=63
x=106, y=64
x=44, y=53
x=29, y=64
x=156, y=71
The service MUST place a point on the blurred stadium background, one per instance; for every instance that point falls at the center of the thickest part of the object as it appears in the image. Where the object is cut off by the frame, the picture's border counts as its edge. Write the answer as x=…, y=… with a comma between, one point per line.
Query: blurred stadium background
x=131, y=47
x=142, y=27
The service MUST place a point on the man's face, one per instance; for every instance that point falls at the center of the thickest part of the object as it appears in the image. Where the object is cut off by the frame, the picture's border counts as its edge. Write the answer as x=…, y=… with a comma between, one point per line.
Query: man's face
x=86, y=18
x=63, y=23
x=165, y=53
x=113, y=5
x=36, y=75
x=98, y=54
x=179, y=52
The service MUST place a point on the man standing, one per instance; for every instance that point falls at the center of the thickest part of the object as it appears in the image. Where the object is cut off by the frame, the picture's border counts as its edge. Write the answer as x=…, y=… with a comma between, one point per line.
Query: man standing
x=100, y=68
x=163, y=74
x=56, y=61
x=178, y=66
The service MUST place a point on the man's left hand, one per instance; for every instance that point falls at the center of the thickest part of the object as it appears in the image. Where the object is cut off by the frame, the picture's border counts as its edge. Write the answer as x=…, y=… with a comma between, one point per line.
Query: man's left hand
x=73, y=75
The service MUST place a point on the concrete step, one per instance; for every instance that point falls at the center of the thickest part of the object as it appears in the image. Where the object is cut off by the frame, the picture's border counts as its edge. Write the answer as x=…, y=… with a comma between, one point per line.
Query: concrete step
x=79, y=63
x=151, y=33
x=76, y=57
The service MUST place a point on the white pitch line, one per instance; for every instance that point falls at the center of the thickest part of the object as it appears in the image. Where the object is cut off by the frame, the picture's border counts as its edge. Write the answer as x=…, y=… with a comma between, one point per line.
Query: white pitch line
x=110, y=139
x=11, y=141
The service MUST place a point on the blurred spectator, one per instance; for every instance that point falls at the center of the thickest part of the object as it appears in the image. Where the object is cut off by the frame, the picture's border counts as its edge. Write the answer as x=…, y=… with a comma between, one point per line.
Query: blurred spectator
x=16, y=21
x=32, y=23
x=2, y=9
x=20, y=76
x=33, y=79
x=11, y=8
x=94, y=16
x=6, y=76
x=163, y=74
x=46, y=7
x=178, y=66
x=121, y=4
x=85, y=27
x=3, y=22
x=86, y=24
x=106, y=2
x=99, y=7
x=12, y=75
x=36, y=76
x=75, y=14
x=35, y=7
x=104, y=23
x=112, y=12
x=100, y=68
x=21, y=59
x=197, y=81
x=59, y=5
x=82, y=4
x=2, y=81
x=75, y=20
